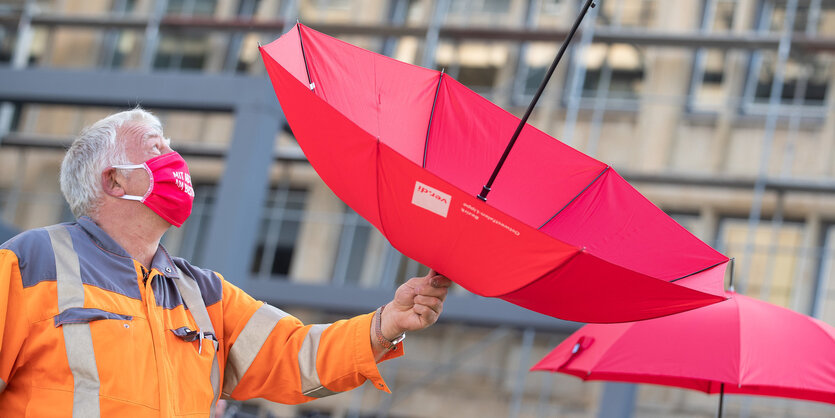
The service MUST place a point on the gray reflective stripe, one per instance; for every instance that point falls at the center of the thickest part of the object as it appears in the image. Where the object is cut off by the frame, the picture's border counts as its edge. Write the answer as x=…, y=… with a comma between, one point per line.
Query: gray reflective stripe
x=85, y=374
x=310, y=383
x=248, y=344
x=77, y=337
x=320, y=392
x=2, y=385
x=67, y=269
x=190, y=293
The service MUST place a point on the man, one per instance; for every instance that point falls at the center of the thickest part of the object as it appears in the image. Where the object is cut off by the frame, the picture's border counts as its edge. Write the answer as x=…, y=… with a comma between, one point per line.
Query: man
x=96, y=319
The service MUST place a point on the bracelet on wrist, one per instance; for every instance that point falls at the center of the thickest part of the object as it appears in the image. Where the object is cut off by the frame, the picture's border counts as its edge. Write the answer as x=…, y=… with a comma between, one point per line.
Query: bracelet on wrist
x=378, y=331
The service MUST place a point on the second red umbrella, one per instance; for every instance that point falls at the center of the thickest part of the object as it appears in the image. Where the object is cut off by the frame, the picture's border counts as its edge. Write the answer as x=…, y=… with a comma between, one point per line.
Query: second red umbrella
x=742, y=346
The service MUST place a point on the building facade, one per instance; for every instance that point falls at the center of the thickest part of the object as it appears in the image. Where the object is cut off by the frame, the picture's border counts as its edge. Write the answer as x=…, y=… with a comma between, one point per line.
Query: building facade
x=721, y=112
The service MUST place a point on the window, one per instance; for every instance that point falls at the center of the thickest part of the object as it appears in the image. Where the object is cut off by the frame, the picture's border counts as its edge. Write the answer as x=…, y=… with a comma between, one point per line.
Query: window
x=344, y=11
x=277, y=235
x=550, y=13
x=490, y=13
x=534, y=60
x=354, y=246
x=185, y=51
x=120, y=48
x=805, y=81
x=191, y=7
x=627, y=13
x=279, y=232
x=823, y=306
x=692, y=222
x=617, y=69
x=707, y=90
x=474, y=64
x=774, y=253
x=189, y=240
x=6, y=44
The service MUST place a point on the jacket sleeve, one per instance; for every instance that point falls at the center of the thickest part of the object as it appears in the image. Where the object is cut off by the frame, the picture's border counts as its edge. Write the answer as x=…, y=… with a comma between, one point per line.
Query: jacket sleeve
x=272, y=355
x=13, y=320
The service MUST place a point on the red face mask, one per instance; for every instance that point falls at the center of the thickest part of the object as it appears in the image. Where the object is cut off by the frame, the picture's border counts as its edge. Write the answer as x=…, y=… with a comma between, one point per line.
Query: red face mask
x=170, y=194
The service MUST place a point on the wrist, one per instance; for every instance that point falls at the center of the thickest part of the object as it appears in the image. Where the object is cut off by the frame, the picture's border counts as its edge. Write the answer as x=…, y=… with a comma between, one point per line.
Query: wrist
x=388, y=327
x=386, y=333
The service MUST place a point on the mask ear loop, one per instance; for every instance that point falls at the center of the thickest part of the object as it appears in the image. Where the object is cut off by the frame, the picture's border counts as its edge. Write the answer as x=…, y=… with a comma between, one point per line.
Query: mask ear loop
x=150, y=179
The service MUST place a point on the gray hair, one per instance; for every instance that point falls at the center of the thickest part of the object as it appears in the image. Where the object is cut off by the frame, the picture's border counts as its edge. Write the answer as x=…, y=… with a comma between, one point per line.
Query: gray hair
x=96, y=148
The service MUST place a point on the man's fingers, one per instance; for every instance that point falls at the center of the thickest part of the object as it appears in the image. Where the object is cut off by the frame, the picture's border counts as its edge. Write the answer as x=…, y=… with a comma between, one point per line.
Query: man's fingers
x=437, y=292
x=438, y=280
x=428, y=316
x=433, y=303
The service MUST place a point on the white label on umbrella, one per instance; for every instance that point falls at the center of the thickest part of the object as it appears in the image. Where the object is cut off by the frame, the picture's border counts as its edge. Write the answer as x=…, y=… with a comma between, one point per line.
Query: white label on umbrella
x=431, y=199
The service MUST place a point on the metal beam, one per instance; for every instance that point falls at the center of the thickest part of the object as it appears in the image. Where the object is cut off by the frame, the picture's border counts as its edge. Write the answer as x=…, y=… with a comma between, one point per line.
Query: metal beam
x=789, y=185
x=167, y=90
x=618, y=400
x=751, y=40
x=771, y=183
x=186, y=149
x=237, y=212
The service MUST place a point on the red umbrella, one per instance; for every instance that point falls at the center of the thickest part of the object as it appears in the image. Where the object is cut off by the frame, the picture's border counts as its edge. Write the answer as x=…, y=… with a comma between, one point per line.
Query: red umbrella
x=742, y=346
x=410, y=148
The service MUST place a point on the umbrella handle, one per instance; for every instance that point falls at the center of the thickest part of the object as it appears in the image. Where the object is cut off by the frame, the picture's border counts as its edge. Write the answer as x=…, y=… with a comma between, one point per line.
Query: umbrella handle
x=486, y=188
x=721, y=400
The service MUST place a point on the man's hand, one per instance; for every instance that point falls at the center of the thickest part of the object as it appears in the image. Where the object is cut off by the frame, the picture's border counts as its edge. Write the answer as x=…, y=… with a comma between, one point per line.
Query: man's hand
x=416, y=305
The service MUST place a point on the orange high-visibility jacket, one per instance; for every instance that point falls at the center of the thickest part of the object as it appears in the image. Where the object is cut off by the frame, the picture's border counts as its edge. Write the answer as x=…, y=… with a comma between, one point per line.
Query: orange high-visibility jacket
x=86, y=330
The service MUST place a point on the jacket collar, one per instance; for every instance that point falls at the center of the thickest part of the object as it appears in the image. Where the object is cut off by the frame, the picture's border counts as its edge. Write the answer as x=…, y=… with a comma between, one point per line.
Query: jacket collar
x=161, y=261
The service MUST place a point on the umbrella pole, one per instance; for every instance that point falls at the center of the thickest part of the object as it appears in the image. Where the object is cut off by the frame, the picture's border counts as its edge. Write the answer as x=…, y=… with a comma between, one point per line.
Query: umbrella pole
x=721, y=400
x=486, y=188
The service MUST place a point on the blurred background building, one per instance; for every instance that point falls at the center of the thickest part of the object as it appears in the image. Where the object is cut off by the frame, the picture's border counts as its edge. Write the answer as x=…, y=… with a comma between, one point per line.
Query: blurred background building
x=721, y=112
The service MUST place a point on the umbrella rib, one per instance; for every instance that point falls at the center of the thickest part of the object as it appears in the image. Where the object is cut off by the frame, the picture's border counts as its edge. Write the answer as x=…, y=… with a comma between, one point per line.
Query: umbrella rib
x=699, y=271
x=304, y=56
x=575, y=197
x=431, y=115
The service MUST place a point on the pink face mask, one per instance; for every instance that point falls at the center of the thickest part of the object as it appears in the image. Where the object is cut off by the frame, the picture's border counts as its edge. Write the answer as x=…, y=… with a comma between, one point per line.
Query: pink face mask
x=170, y=194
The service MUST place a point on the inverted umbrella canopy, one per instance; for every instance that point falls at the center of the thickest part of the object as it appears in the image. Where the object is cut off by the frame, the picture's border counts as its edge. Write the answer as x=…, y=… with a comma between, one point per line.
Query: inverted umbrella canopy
x=410, y=148
x=742, y=346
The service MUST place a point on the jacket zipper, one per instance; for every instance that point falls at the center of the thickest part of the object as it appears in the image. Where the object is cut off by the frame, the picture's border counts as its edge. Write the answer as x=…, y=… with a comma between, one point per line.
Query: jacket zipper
x=145, y=274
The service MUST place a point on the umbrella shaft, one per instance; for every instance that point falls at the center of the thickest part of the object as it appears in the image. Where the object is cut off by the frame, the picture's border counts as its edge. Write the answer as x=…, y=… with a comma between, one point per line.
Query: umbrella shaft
x=486, y=189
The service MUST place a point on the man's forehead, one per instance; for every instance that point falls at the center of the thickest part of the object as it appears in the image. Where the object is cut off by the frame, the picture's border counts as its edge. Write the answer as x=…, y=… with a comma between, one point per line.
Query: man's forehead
x=141, y=130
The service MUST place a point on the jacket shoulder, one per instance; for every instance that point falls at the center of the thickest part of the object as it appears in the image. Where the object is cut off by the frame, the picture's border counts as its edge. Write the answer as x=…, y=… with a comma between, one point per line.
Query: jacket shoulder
x=27, y=241
x=35, y=258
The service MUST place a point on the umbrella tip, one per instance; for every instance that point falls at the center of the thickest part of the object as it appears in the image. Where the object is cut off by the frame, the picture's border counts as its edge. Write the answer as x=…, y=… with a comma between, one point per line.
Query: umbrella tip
x=259, y=44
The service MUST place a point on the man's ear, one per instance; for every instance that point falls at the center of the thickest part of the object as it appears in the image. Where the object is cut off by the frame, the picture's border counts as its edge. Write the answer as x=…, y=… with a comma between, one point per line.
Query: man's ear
x=112, y=182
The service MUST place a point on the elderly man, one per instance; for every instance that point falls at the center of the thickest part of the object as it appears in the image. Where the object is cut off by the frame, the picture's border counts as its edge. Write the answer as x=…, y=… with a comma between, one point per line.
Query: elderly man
x=96, y=318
